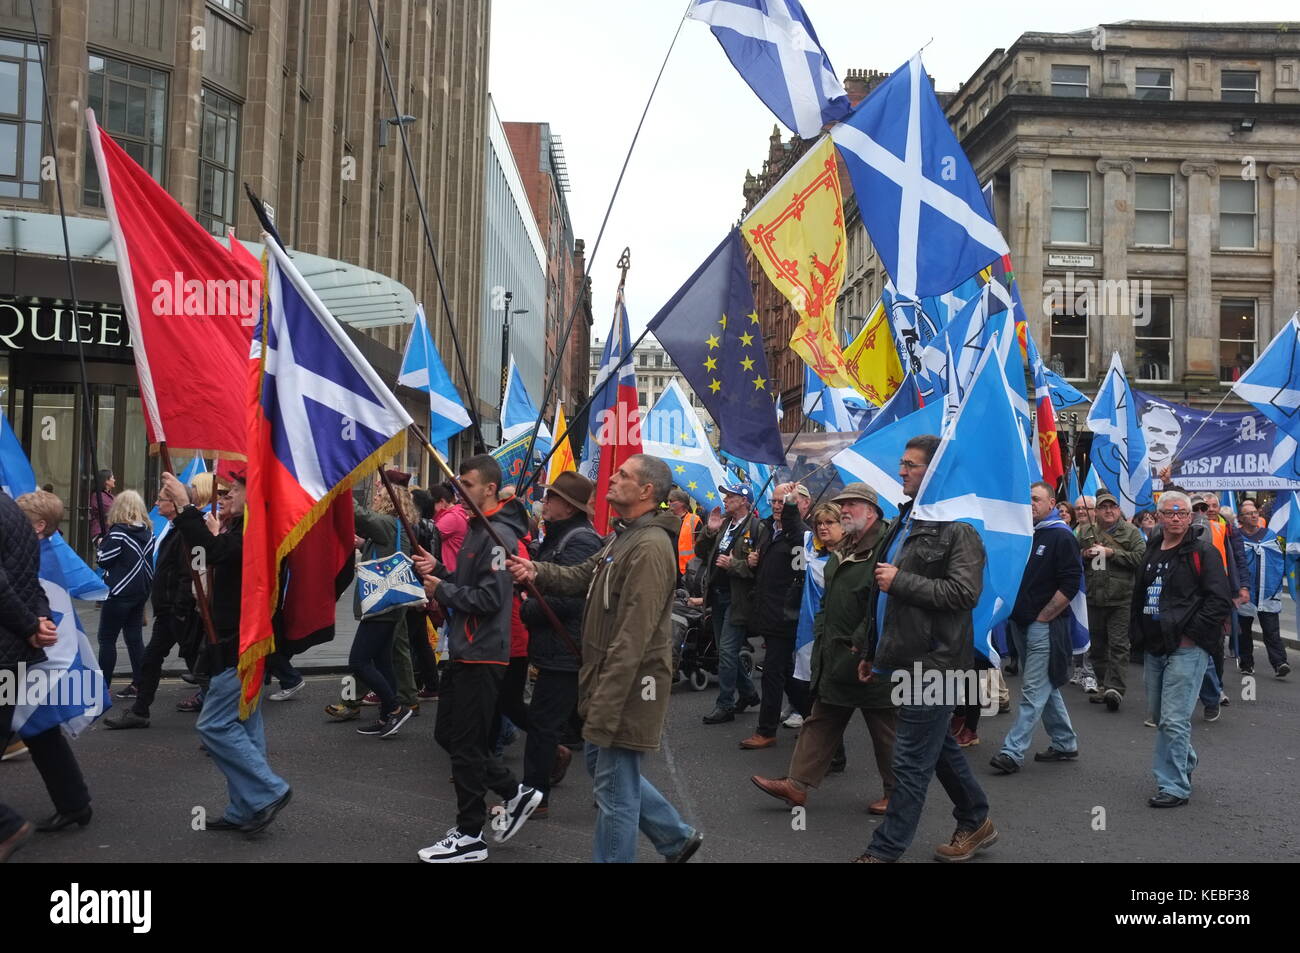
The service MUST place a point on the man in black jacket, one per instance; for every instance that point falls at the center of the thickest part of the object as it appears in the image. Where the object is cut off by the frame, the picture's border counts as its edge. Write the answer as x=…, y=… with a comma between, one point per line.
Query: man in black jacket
x=778, y=590
x=237, y=747
x=570, y=540
x=1180, y=603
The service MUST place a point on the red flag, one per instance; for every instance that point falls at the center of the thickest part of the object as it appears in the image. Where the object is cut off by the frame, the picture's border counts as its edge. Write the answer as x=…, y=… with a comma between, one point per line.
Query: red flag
x=617, y=431
x=187, y=302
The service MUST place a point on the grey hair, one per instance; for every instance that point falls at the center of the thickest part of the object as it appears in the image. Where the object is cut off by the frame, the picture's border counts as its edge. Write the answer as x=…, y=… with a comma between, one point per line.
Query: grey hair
x=1174, y=496
x=655, y=471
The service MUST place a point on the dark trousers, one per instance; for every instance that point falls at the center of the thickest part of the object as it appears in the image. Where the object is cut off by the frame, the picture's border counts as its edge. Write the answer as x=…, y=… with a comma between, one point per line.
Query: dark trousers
x=1108, y=629
x=126, y=617
x=510, y=699
x=54, y=759
x=423, y=657
x=168, y=630
x=924, y=749
x=371, y=662
x=555, y=700
x=778, y=668
x=280, y=668
x=467, y=700
x=1269, y=626
x=800, y=694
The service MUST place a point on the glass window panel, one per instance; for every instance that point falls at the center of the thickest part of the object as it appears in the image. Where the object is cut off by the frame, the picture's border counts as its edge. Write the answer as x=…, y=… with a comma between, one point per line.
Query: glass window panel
x=34, y=106
x=135, y=113
x=116, y=121
x=205, y=145
x=12, y=48
x=1239, y=86
x=1153, y=360
x=9, y=72
x=1237, y=195
x=96, y=64
x=158, y=115
x=52, y=460
x=8, y=148
x=1069, y=226
x=159, y=79
x=9, y=190
x=1152, y=192
x=116, y=68
x=1064, y=323
x=1237, y=231
x=1069, y=74
x=1237, y=319
x=31, y=191
x=1151, y=228
x=31, y=151
x=1070, y=189
x=97, y=93
x=1070, y=357
x=1159, y=314
x=136, y=457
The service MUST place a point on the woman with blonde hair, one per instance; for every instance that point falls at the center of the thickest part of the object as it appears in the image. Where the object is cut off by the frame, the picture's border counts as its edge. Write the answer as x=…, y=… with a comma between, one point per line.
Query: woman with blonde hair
x=126, y=553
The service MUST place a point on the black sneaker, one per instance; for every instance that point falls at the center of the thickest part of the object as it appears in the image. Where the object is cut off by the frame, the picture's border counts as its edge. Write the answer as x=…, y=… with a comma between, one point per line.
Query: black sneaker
x=1004, y=763
x=394, y=721
x=1056, y=754
x=1283, y=670
x=1211, y=712
x=687, y=852
x=376, y=729
x=516, y=811
x=753, y=701
x=129, y=692
x=718, y=716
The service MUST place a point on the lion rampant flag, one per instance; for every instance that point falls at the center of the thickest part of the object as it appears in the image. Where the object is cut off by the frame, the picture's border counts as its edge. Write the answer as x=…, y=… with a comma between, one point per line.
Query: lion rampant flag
x=797, y=235
x=872, y=359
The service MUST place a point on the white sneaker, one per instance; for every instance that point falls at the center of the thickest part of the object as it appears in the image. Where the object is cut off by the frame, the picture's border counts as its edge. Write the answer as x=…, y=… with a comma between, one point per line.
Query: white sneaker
x=1150, y=724
x=794, y=721
x=455, y=848
x=285, y=694
x=1077, y=677
x=518, y=809
x=1090, y=686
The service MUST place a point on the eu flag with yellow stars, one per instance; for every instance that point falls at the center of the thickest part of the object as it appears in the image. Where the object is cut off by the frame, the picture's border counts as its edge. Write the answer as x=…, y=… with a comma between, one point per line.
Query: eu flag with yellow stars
x=711, y=331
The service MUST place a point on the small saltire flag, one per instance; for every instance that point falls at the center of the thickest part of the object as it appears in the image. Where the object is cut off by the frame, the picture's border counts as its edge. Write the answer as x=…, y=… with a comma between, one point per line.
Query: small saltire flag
x=70, y=690
x=871, y=359
x=920, y=200
x=1091, y=484
x=874, y=458
x=1272, y=383
x=17, y=478
x=1285, y=521
x=774, y=48
x=797, y=235
x=320, y=419
x=518, y=417
x=758, y=476
x=838, y=409
x=562, y=459
x=422, y=369
x=673, y=432
x=1072, y=485
x=980, y=476
x=1119, y=446
x=711, y=330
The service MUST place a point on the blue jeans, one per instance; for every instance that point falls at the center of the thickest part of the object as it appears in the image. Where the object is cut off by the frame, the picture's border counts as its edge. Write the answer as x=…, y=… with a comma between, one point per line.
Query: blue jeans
x=923, y=749
x=1211, y=688
x=1038, y=699
x=238, y=748
x=730, y=639
x=1172, y=682
x=626, y=801
x=123, y=616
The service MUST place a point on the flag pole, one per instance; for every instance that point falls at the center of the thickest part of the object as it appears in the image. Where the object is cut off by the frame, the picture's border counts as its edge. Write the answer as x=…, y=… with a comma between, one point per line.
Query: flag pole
x=556, y=625
x=1188, y=442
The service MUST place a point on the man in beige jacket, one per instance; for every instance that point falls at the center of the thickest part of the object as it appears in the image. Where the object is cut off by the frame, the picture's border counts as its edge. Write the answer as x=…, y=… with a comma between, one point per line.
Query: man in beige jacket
x=626, y=670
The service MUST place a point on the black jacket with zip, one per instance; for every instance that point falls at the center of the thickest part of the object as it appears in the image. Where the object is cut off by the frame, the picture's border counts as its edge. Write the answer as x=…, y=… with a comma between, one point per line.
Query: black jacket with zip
x=223, y=556
x=778, y=577
x=567, y=543
x=1194, y=598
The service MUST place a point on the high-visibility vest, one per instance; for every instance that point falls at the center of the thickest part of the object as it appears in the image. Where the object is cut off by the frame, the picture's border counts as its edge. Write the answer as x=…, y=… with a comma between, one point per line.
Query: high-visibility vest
x=1219, y=536
x=686, y=540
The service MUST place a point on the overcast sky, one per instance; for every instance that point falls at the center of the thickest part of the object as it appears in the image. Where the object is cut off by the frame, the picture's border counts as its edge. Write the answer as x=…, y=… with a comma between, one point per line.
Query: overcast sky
x=587, y=67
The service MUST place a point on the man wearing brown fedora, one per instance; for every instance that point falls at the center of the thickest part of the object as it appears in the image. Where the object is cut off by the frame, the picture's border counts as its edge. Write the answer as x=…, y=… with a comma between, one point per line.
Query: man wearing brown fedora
x=570, y=539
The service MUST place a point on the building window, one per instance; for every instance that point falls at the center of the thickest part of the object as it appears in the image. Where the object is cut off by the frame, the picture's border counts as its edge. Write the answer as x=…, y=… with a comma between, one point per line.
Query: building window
x=1069, y=208
x=1155, y=84
x=130, y=103
x=659, y=360
x=1153, y=338
x=238, y=7
x=1236, y=213
x=20, y=120
x=1070, y=81
x=640, y=398
x=1239, y=86
x=640, y=360
x=218, y=162
x=1154, y=209
x=1236, y=337
x=1069, y=342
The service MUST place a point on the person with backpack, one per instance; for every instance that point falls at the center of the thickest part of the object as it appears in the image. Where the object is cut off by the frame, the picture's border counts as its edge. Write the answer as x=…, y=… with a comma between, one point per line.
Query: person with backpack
x=126, y=552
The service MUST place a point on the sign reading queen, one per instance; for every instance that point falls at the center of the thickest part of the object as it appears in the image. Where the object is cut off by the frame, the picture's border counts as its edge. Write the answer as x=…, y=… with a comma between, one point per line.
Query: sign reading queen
x=1223, y=451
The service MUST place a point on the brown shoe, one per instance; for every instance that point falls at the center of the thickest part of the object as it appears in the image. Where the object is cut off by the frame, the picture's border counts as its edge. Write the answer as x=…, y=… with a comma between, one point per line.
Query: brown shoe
x=15, y=840
x=755, y=741
x=562, y=758
x=783, y=789
x=964, y=844
x=878, y=807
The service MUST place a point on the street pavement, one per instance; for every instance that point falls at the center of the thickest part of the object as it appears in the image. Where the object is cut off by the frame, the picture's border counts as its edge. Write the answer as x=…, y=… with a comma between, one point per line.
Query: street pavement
x=359, y=798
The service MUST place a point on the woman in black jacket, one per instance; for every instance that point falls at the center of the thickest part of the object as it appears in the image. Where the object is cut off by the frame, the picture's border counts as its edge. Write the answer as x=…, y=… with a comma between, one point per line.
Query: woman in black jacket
x=126, y=551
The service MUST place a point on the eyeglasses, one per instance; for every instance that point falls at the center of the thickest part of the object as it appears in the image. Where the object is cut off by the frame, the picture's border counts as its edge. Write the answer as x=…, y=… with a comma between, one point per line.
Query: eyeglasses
x=1176, y=514
x=909, y=465
x=827, y=523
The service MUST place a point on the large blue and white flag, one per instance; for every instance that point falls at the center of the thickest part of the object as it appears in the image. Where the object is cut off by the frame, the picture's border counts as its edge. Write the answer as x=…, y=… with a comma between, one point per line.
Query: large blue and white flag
x=1091, y=484
x=1285, y=522
x=17, y=478
x=838, y=409
x=518, y=416
x=422, y=369
x=1272, y=386
x=67, y=689
x=874, y=458
x=672, y=431
x=980, y=475
x=773, y=46
x=1119, y=445
x=918, y=194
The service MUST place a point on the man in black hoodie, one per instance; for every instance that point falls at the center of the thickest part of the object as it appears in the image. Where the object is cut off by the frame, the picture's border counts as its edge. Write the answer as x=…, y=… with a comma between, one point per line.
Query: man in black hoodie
x=478, y=598
x=237, y=747
x=570, y=540
x=778, y=566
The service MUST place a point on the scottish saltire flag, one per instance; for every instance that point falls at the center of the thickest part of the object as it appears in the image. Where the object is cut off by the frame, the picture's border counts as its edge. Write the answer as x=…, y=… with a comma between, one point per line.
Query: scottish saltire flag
x=1064, y=394
x=422, y=369
x=1092, y=484
x=1072, y=485
x=614, y=420
x=874, y=458
x=320, y=420
x=838, y=409
x=980, y=475
x=1077, y=611
x=17, y=478
x=518, y=417
x=672, y=431
x=919, y=197
x=773, y=46
x=760, y=476
x=67, y=689
x=1285, y=522
x=814, y=587
x=1272, y=386
x=1119, y=446
x=711, y=329
x=161, y=525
